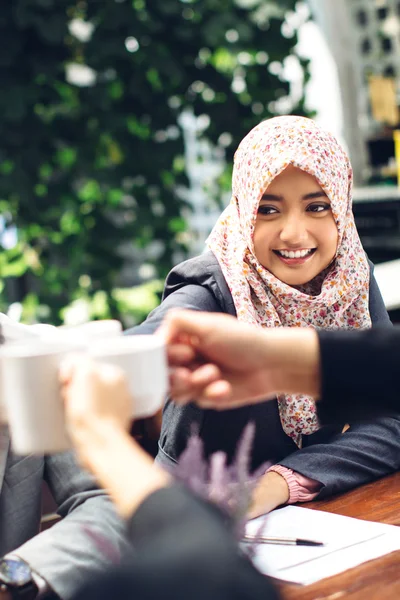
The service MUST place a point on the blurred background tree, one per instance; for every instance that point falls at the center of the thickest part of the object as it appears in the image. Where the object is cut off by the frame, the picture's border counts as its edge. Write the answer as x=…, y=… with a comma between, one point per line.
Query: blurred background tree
x=91, y=153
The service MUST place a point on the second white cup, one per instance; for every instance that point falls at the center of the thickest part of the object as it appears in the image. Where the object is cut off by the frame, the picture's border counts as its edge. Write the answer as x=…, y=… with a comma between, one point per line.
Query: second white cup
x=30, y=389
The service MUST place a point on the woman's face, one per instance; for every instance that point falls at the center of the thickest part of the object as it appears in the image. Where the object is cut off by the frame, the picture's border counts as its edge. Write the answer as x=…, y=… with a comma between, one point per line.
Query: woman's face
x=295, y=236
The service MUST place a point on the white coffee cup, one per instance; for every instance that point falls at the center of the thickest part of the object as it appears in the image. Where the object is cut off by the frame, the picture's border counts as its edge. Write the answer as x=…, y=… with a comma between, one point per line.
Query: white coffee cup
x=81, y=335
x=144, y=362
x=31, y=392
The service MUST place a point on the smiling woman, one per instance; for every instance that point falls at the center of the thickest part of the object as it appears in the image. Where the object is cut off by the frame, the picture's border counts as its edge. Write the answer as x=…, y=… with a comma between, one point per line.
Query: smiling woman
x=295, y=235
x=285, y=252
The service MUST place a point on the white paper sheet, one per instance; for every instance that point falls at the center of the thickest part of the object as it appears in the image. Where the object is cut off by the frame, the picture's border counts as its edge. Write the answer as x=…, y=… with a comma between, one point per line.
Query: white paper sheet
x=347, y=542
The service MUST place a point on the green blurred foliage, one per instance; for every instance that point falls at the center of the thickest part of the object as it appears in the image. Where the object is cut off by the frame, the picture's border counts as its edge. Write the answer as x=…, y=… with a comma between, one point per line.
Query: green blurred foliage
x=85, y=169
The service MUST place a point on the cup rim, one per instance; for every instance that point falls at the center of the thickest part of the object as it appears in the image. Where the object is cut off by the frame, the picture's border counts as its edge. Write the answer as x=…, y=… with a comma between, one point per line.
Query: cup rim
x=108, y=326
x=126, y=344
x=38, y=348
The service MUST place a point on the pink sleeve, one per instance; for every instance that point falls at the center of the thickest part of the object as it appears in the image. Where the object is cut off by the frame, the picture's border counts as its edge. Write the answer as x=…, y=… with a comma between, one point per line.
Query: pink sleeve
x=301, y=489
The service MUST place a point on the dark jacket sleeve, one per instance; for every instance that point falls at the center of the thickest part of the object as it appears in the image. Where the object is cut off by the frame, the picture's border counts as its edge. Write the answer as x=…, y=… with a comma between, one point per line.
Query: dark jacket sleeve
x=193, y=297
x=347, y=460
x=360, y=373
x=377, y=310
x=196, y=284
x=182, y=548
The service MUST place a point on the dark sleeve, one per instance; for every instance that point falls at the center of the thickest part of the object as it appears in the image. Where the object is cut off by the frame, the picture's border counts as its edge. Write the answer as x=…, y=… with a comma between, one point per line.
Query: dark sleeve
x=377, y=310
x=362, y=454
x=193, y=297
x=184, y=548
x=360, y=374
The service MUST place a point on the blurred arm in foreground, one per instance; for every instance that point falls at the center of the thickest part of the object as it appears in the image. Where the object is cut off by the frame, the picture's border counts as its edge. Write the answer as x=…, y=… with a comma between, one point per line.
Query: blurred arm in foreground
x=224, y=364
x=188, y=543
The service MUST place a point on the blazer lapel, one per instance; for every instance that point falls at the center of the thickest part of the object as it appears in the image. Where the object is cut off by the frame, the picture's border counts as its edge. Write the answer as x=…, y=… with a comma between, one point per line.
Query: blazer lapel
x=4, y=447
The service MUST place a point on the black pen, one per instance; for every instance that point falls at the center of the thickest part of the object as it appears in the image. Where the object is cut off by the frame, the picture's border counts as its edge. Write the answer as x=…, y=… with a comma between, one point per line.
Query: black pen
x=285, y=541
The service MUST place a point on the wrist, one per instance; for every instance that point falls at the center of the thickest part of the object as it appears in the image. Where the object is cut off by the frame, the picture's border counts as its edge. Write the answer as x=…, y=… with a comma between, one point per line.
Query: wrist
x=110, y=454
x=97, y=441
x=295, y=361
x=271, y=491
x=16, y=579
x=90, y=439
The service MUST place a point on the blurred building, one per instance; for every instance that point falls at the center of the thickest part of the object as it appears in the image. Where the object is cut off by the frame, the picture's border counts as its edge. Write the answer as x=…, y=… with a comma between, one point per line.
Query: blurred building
x=364, y=38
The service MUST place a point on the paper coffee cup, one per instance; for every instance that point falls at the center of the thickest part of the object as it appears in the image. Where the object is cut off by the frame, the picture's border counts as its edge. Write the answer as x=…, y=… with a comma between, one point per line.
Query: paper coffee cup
x=144, y=362
x=30, y=389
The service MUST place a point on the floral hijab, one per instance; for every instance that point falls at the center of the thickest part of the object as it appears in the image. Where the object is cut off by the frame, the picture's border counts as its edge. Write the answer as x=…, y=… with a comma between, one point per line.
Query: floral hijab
x=259, y=297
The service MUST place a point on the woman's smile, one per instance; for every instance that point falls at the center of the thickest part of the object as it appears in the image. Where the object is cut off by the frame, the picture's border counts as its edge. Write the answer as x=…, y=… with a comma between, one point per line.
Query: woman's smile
x=295, y=258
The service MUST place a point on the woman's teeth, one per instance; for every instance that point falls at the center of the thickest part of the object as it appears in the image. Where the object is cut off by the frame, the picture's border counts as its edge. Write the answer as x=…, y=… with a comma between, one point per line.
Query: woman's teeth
x=296, y=254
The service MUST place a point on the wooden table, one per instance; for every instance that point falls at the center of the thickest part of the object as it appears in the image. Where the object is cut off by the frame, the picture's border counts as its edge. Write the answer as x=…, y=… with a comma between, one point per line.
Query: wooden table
x=376, y=580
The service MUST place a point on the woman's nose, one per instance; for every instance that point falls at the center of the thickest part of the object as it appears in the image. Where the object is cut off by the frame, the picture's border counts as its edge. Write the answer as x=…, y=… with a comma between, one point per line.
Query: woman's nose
x=293, y=231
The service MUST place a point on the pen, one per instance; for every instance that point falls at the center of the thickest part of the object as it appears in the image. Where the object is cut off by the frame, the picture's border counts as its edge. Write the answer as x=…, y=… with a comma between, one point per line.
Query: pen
x=280, y=540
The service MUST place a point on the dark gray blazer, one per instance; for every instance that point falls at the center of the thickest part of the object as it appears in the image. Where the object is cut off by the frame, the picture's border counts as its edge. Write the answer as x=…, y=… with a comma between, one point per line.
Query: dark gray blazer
x=339, y=461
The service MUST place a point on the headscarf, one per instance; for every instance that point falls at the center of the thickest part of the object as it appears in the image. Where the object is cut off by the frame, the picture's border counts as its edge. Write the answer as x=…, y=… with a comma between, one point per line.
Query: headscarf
x=259, y=297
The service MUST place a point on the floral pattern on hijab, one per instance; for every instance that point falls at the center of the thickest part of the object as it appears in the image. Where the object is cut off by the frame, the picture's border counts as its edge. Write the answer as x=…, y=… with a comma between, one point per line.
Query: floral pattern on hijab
x=259, y=297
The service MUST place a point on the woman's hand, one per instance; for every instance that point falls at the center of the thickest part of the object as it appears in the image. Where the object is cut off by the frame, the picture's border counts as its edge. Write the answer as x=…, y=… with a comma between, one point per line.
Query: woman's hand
x=96, y=398
x=271, y=491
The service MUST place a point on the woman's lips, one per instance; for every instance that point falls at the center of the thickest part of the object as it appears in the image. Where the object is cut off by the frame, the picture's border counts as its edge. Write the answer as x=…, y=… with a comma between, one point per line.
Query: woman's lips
x=296, y=260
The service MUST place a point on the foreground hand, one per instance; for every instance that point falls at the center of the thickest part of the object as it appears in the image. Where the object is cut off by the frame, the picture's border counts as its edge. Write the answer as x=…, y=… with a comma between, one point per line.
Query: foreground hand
x=217, y=360
x=98, y=410
x=222, y=363
x=95, y=396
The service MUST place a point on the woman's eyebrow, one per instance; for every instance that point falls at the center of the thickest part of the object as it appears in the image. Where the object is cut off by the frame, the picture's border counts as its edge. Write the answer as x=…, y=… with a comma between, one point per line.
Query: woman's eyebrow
x=311, y=196
x=272, y=197
x=320, y=194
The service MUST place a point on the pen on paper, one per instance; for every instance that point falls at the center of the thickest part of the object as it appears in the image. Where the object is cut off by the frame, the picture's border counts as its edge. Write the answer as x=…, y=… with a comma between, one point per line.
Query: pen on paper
x=285, y=541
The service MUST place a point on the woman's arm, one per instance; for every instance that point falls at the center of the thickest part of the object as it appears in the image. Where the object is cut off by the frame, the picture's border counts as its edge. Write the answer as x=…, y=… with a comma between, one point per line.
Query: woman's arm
x=365, y=452
x=281, y=485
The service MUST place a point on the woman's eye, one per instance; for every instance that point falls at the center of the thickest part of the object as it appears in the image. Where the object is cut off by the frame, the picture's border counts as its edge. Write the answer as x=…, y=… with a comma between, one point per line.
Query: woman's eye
x=317, y=208
x=267, y=210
